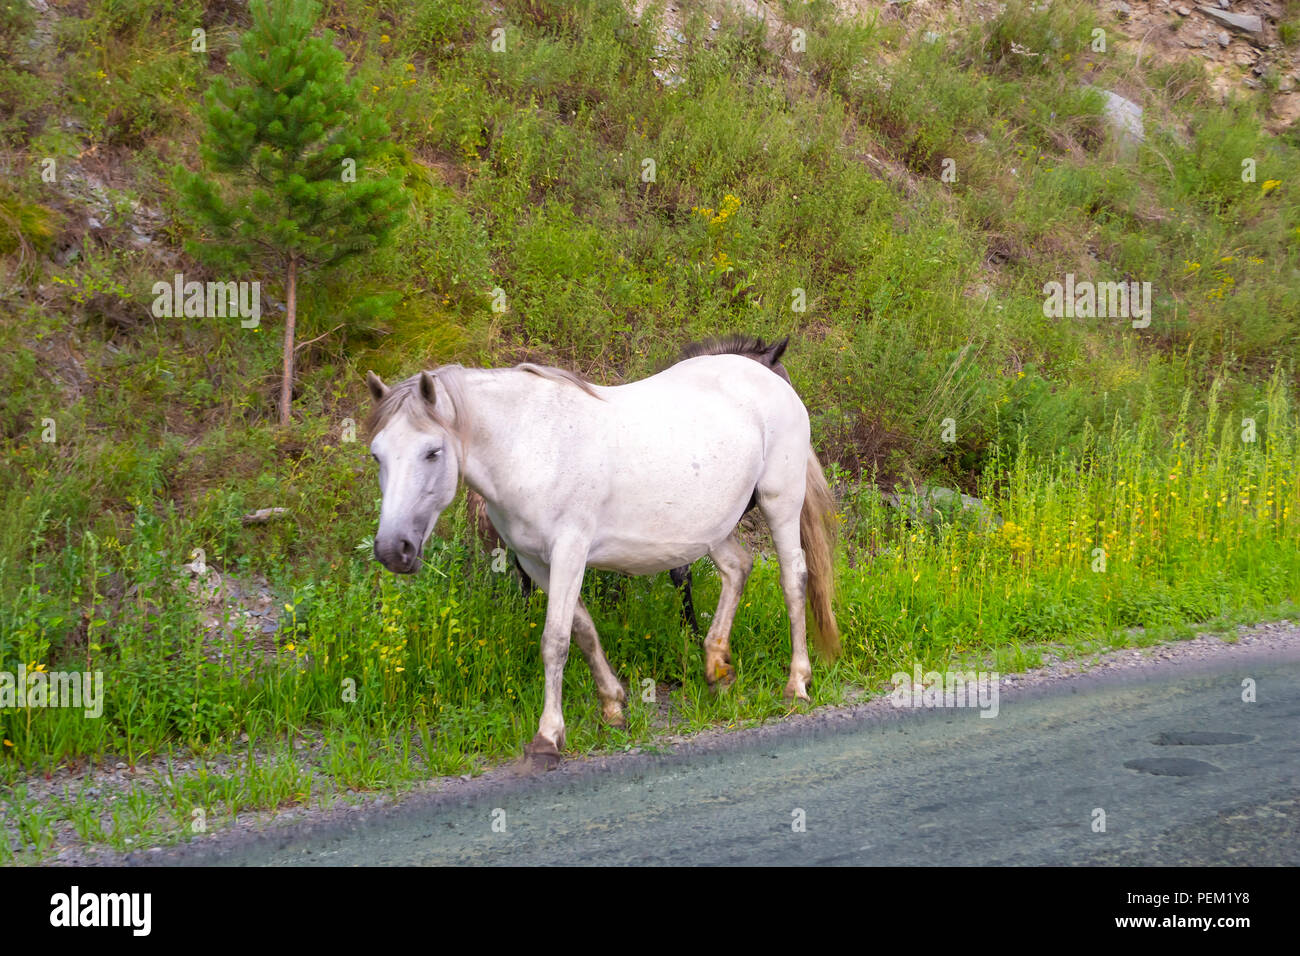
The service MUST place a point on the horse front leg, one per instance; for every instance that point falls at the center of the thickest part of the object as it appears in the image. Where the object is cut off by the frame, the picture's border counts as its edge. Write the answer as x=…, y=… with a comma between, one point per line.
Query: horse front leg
x=611, y=691
x=562, y=580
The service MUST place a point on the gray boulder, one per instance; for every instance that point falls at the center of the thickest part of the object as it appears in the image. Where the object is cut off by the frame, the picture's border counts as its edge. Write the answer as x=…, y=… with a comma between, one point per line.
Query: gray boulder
x=1245, y=23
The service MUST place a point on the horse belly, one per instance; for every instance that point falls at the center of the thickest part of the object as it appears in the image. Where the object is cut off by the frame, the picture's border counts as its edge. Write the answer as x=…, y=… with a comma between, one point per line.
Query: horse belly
x=634, y=557
x=675, y=508
x=672, y=537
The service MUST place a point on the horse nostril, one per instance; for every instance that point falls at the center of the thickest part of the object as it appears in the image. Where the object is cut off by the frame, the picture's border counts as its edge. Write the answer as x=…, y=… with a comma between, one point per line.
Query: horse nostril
x=406, y=549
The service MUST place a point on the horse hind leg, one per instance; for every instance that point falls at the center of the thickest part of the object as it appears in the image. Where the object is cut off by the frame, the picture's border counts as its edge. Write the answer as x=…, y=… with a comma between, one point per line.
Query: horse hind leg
x=782, y=513
x=681, y=578
x=734, y=564
x=608, y=687
x=526, y=586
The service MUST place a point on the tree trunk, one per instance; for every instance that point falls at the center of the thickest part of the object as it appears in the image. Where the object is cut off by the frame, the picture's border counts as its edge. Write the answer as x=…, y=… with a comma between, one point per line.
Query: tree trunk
x=290, y=318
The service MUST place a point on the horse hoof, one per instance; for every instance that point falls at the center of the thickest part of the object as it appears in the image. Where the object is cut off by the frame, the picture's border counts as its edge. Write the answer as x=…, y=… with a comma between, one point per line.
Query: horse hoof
x=793, y=693
x=541, y=754
x=613, y=714
x=723, y=676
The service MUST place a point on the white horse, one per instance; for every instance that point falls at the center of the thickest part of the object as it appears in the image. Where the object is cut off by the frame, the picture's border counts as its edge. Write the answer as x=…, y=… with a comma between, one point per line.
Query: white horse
x=638, y=478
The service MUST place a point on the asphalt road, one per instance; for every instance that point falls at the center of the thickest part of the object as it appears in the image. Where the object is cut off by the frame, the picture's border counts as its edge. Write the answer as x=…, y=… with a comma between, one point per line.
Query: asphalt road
x=1184, y=770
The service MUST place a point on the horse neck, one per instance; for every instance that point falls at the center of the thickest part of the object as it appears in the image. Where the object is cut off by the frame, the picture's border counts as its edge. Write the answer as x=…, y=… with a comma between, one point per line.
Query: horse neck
x=487, y=401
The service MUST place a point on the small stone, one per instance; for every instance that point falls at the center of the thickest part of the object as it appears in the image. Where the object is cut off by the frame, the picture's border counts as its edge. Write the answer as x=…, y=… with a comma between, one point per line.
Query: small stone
x=1184, y=11
x=1253, y=83
x=1123, y=9
x=1223, y=38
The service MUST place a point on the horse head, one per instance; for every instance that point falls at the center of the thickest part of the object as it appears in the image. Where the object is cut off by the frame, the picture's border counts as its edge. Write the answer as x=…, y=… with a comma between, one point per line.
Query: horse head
x=418, y=449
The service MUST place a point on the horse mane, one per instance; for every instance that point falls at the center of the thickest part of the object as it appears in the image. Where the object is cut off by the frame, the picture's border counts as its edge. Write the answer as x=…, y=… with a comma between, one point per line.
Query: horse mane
x=558, y=375
x=751, y=347
x=406, y=395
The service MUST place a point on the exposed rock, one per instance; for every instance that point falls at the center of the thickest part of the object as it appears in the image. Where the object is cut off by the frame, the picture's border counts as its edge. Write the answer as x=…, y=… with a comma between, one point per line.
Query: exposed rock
x=240, y=617
x=1124, y=118
x=1249, y=24
x=933, y=505
x=263, y=515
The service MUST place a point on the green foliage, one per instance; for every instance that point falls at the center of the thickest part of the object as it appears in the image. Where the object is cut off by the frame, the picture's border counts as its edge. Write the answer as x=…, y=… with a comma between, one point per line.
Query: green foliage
x=436, y=27
x=24, y=226
x=16, y=20
x=292, y=135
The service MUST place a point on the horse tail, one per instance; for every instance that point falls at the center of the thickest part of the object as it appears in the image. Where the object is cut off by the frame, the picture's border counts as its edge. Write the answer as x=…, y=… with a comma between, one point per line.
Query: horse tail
x=817, y=535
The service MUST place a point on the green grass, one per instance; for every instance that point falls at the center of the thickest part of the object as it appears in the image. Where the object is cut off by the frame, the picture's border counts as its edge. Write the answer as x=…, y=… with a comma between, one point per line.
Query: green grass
x=774, y=172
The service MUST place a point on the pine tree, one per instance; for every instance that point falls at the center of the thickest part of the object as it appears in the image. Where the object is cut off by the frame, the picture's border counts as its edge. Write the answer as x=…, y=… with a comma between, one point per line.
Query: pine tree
x=285, y=182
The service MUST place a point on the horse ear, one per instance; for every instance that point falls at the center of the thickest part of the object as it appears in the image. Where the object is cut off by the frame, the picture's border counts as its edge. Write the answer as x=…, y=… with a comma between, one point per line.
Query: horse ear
x=428, y=390
x=377, y=387
x=775, y=352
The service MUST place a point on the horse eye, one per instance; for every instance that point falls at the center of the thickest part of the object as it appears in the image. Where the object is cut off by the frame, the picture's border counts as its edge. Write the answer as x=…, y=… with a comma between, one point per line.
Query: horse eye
x=431, y=455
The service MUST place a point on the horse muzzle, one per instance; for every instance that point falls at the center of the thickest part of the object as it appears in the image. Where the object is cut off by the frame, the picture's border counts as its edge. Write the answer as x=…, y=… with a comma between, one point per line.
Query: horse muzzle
x=401, y=554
